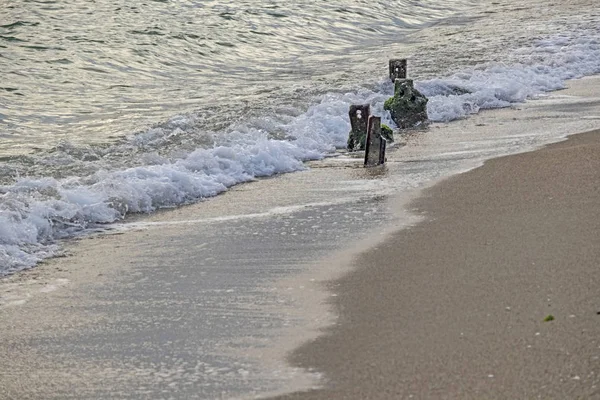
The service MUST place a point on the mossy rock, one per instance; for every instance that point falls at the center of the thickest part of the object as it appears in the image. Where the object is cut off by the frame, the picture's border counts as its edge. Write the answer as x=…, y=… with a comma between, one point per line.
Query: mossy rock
x=408, y=107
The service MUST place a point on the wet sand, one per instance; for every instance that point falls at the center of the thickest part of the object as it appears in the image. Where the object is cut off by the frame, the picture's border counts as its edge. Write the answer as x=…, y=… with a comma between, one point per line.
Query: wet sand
x=454, y=307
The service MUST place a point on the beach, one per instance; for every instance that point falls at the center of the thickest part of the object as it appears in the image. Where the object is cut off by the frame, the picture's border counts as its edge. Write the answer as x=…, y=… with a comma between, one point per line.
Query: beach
x=455, y=307
x=339, y=281
x=181, y=216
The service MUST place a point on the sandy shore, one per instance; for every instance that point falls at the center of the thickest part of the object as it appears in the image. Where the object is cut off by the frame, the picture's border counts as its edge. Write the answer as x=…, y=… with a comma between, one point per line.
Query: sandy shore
x=454, y=308
x=206, y=301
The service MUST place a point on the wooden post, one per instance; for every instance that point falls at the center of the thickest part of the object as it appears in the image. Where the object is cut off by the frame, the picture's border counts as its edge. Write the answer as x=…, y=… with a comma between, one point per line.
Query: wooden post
x=375, y=144
x=359, y=118
x=398, y=69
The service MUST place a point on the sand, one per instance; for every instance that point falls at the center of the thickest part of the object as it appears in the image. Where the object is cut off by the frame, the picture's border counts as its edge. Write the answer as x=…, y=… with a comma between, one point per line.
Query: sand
x=454, y=307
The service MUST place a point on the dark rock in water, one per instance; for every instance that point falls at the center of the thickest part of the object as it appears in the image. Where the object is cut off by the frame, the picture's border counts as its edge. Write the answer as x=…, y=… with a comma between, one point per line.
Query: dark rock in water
x=450, y=89
x=387, y=133
x=359, y=117
x=457, y=91
x=408, y=107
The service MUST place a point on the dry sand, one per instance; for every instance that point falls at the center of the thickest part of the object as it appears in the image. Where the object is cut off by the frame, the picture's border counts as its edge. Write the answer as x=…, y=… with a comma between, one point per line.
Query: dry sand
x=454, y=307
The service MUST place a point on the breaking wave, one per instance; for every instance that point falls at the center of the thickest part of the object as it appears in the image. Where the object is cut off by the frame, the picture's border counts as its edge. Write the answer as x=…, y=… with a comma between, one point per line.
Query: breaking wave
x=36, y=212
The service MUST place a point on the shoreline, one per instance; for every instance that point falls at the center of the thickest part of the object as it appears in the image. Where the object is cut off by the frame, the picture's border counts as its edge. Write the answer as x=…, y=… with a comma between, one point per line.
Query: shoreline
x=454, y=307
x=186, y=267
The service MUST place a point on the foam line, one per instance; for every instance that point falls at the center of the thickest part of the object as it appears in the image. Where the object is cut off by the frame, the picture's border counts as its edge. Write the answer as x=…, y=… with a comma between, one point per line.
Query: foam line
x=35, y=212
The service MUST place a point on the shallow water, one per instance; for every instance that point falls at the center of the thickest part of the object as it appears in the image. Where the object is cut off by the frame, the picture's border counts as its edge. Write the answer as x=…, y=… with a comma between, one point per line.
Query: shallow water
x=160, y=104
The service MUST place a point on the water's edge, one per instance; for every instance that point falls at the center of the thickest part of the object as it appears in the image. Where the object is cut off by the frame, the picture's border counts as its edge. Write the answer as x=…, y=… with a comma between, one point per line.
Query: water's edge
x=75, y=188
x=258, y=255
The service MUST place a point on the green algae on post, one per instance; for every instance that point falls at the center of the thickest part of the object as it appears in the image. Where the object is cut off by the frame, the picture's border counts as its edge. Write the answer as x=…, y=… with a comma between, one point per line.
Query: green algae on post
x=408, y=106
x=387, y=133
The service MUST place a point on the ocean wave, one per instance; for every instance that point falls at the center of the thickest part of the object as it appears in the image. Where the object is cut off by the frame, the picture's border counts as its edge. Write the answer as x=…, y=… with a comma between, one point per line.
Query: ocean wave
x=36, y=212
x=540, y=68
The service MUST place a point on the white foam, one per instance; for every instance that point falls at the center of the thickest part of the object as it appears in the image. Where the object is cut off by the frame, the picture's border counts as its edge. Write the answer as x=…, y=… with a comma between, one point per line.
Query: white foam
x=532, y=71
x=34, y=212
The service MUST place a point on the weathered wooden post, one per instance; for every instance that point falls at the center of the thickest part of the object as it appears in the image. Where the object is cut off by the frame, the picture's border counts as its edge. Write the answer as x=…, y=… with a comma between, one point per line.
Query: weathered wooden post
x=375, y=144
x=398, y=69
x=359, y=118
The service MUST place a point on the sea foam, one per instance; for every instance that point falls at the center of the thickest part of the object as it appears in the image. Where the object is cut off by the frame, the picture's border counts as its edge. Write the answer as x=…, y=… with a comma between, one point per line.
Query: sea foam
x=36, y=212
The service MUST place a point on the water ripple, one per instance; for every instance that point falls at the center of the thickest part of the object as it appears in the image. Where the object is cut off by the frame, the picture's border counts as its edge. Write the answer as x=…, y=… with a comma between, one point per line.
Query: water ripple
x=173, y=57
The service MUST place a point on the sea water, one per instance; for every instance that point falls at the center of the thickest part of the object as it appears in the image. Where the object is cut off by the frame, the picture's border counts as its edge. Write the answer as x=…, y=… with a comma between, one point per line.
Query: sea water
x=114, y=108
